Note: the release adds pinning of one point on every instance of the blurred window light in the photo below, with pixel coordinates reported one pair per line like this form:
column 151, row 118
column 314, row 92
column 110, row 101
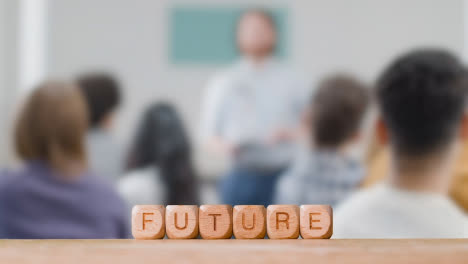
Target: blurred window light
column 32, row 42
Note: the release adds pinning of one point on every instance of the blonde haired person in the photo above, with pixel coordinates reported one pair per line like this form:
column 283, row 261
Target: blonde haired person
column 53, row 195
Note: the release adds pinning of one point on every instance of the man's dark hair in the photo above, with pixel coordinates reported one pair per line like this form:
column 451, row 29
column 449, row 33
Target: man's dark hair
column 421, row 96
column 102, row 94
column 338, row 107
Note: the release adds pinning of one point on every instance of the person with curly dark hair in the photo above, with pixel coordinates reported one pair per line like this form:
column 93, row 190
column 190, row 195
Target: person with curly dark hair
column 324, row 171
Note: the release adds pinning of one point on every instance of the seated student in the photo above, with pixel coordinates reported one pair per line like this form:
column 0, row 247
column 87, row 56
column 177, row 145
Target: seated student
column 160, row 169
column 102, row 95
column 324, row 173
column 422, row 98
column 53, row 195
column 379, row 163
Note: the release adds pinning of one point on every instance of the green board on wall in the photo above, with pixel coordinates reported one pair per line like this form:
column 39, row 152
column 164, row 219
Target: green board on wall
column 206, row 35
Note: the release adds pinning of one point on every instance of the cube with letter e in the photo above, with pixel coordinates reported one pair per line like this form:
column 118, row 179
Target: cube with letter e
column 316, row 221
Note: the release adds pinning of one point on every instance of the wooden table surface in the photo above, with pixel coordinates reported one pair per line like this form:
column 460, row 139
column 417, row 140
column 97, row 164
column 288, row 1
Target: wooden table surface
column 233, row 251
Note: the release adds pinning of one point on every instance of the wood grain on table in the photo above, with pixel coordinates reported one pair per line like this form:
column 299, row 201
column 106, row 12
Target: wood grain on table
column 234, row 251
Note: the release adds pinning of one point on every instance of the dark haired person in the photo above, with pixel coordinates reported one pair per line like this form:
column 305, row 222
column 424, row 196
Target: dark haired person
column 324, row 172
column 54, row 195
column 422, row 99
column 159, row 165
column 102, row 94
column 250, row 113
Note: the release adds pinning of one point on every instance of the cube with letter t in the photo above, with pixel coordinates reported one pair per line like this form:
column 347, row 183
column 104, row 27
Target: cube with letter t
column 215, row 221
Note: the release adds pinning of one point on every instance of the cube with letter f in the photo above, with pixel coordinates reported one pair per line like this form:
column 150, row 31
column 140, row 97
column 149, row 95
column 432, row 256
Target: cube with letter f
column 148, row 222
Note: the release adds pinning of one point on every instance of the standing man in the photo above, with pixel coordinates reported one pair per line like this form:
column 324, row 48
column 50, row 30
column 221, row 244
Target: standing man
column 251, row 113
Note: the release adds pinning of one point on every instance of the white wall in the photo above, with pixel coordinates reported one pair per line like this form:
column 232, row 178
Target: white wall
column 8, row 76
column 2, row 78
column 364, row 35
column 129, row 37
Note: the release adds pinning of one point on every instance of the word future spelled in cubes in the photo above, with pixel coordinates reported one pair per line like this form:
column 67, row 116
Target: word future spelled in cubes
column 222, row 221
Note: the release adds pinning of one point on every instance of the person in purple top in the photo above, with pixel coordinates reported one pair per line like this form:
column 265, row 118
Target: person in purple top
column 54, row 195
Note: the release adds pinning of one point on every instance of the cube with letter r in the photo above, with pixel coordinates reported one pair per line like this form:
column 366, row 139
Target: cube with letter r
column 283, row 221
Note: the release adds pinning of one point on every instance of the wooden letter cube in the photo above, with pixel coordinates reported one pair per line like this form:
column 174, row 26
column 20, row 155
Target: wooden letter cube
column 249, row 221
column 316, row 221
column 148, row 221
column 283, row 221
column 215, row 221
column 182, row 221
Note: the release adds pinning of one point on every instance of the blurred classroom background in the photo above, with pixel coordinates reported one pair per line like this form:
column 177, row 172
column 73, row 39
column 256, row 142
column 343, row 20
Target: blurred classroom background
column 168, row 51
